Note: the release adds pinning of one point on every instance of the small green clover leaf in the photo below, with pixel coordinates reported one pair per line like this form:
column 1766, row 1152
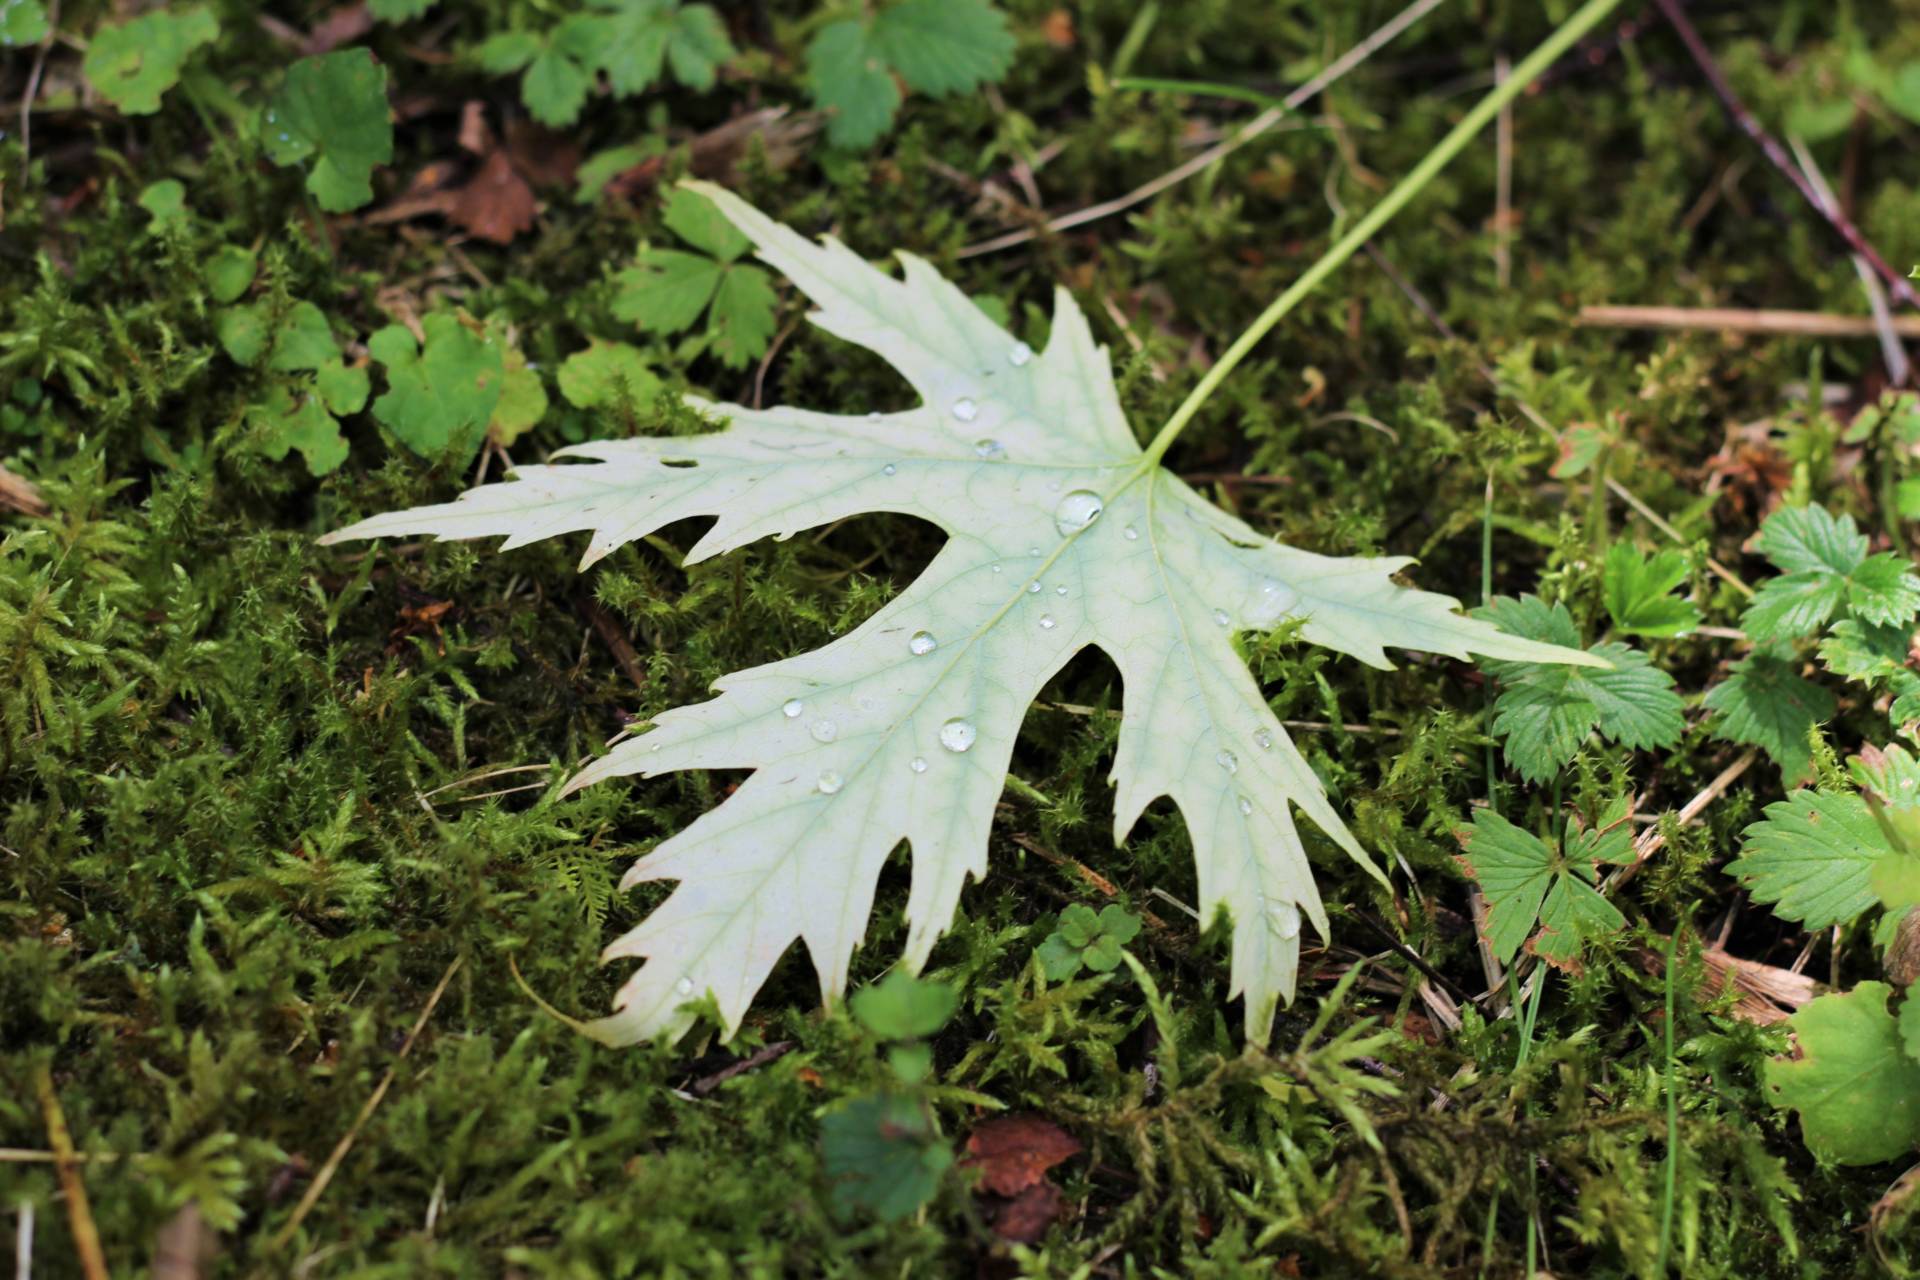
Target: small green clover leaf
column 631, row 41
column 1527, row 882
column 132, row 64
column 332, row 110
column 608, row 375
column 1085, row 940
column 667, row 290
column 905, row 1009
column 300, row 410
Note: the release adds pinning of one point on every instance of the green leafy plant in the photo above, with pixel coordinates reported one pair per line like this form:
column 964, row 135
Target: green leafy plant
column 22, row 23
column 855, row 66
column 332, row 111
column 295, row 412
column 1639, row 592
column 883, row 1152
column 132, row 64
column 667, row 290
column 1528, row 882
column 631, row 42
column 1825, row 572
column 1546, row 711
column 1084, row 940
column 1823, row 858
column 1063, row 533
column 454, row 387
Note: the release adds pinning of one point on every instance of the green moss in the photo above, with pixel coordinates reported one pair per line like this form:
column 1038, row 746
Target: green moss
column 255, row 799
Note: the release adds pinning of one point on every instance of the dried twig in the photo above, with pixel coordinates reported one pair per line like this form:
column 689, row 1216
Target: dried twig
column 615, row 638
column 86, row 1236
column 1206, row 159
column 17, row 493
column 1899, row 369
column 1809, row 324
column 1652, row 840
column 318, row 1186
column 1748, row 124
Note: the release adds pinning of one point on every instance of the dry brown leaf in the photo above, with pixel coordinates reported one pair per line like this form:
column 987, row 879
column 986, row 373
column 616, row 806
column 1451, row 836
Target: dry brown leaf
column 1014, row 1152
column 497, row 204
column 1025, row 1218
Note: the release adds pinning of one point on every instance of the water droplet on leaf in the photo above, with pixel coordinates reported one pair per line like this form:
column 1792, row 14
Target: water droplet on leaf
column 918, row 764
column 1246, row 806
column 965, row 409
column 1046, row 622
column 1263, row 740
column 1131, row 534
column 1276, row 600
column 922, row 642
column 1285, row 918
column 829, row 782
column 989, row 448
column 1077, row 510
column 824, row 730
column 957, row 734
column 792, row 708
column 1228, row 761
column 1019, row 354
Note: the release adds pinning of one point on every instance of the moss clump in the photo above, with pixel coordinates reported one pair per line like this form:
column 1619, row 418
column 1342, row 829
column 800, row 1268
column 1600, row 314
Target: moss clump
column 259, row 799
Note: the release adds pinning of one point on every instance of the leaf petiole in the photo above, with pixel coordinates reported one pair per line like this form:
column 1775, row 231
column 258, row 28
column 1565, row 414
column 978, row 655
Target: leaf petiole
column 1482, row 114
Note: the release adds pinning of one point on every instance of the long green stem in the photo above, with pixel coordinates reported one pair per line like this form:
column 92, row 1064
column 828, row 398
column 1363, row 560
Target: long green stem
column 1483, row 113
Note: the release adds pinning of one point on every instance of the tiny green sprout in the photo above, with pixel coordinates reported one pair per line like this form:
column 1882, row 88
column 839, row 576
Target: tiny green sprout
column 1089, row 941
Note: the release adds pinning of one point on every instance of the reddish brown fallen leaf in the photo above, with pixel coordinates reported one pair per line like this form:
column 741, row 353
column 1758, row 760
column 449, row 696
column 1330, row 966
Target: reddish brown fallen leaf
column 1025, row 1218
column 543, row 157
column 497, row 204
column 1014, row 1152
column 1057, row 27
column 475, row 136
column 343, row 25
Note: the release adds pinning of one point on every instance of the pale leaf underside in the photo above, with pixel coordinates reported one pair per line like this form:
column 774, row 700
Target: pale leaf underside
column 852, row 746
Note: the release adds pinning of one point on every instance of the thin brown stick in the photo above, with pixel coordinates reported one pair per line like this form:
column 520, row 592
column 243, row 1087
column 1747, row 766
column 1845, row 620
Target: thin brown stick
column 86, row 1236
column 1899, row 368
column 1253, row 129
column 1747, row 123
column 318, row 1186
column 1801, row 324
column 615, row 638
column 1652, row 840
column 17, row 493
column 1503, row 182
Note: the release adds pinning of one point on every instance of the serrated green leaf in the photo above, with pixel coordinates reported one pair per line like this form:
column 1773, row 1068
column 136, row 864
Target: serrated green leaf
column 942, row 47
column 1857, row 1091
column 1764, row 704
column 1862, row 651
column 665, row 290
column 638, row 36
column 1811, row 539
column 1526, row 884
column 303, row 340
column 1545, row 712
column 508, row 51
column 332, row 111
column 1061, row 534
column 439, row 398
column 742, row 318
column 1639, row 592
column 1883, row 592
column 1812, row 858
column 1825, row 569
column 850, row 81
column 555, row 88
column 882, row 1155
column 699, row 222
column 131, row 65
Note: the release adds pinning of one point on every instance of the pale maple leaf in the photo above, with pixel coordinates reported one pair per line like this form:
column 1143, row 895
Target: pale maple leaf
column 1061, row 533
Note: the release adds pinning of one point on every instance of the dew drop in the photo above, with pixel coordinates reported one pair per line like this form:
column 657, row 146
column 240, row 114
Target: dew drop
column 684, row 986
column 918, row 764
column 957, row 734
column 1228, row 761
column 1285, row 918
column 866, row 702
column 1246, row 807
column 1033, row 588
column 1077, row 510
column 889, row 469
column 824, row 730
column 1220, row 618
column 965, row 409
column 873, row 415
column 829, row 782
column 1263, row 740
column 1034, row 552
column 996, row 568
column 921, row 643
column 1276, row 601
column 1060, row 591
column 1131, row 534
column 792, row 708
column 988, row 448
column 1046, row 622
column 1018, row 354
